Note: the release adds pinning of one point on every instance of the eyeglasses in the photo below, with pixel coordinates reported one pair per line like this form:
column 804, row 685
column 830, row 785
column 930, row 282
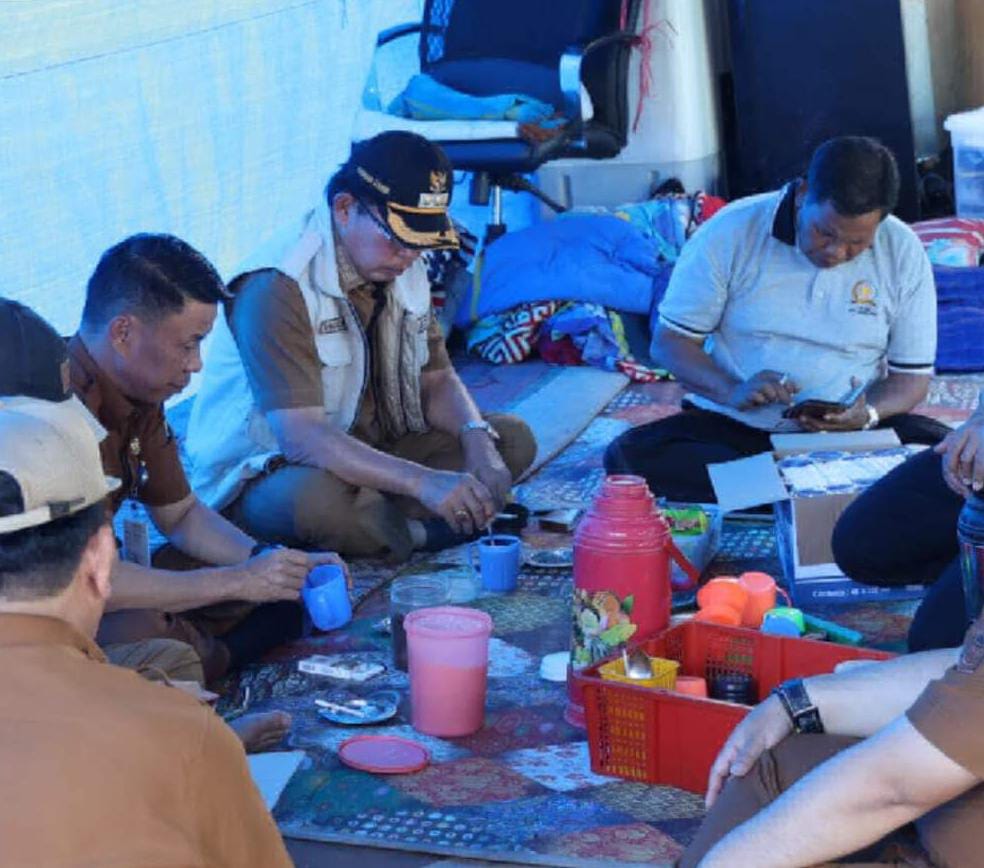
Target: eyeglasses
column 385, row 232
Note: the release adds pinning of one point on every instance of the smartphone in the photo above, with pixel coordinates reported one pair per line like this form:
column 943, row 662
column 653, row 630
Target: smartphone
column 560, row 520
column 818, row 408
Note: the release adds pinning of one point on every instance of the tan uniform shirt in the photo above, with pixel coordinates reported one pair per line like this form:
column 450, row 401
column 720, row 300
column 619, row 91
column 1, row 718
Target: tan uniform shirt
column 273, row 332
column 100, row 767
column 137, row 436
column 950, row 711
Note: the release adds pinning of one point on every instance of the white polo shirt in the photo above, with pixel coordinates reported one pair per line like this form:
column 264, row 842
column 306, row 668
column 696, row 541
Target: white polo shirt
column 742, row 283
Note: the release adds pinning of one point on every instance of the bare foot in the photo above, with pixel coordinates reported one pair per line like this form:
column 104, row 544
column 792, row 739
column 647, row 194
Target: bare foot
column 261, row 731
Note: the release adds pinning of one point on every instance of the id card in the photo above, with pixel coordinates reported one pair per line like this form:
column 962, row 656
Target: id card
column 136, row 537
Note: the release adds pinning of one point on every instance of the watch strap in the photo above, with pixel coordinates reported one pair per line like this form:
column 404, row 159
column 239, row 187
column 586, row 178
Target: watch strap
column 803, row 714
column 479, row 426
column 873, row 417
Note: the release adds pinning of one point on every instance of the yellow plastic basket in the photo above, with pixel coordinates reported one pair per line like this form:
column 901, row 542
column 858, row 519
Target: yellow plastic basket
column 664, row 673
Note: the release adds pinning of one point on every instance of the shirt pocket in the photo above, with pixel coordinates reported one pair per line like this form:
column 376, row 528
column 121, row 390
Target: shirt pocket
column 336, row 366
column 421, row 343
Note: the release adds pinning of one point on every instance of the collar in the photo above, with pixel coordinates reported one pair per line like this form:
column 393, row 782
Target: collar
column 348, row 277
column 96, row 389
column 784, row 222
column 20, row 629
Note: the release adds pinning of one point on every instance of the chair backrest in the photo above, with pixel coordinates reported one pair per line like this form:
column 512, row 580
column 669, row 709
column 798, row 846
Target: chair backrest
column 486, row 47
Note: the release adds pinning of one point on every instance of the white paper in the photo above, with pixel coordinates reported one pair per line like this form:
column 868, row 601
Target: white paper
column 271, row 772
column 747, row 482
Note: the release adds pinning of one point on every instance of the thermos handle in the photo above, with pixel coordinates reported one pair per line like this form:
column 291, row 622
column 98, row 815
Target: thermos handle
column 693, row 574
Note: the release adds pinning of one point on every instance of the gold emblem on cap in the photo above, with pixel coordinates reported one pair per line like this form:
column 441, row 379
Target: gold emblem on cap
column 438, row 181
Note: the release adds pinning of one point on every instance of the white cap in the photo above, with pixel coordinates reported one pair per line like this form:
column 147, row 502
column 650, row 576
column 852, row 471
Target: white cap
column 51, row 451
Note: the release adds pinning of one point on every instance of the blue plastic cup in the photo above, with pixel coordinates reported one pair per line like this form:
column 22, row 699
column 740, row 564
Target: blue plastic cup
column 498, row 557
column 326, row 597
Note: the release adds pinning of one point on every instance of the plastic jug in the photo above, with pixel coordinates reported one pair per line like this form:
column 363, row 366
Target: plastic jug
column 622, row 551
column 448, row 649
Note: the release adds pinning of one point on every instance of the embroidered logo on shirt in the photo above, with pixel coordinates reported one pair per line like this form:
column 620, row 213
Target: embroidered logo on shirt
column 864, row 299
column 331, row 326
column 972, row 653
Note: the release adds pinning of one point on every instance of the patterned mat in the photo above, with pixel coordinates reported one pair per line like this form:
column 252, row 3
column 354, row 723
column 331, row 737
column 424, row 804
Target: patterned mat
column 520, row 789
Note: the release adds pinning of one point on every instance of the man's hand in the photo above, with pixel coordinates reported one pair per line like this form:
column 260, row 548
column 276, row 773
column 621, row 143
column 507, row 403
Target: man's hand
column 316, row 559
column 277, row 574
column 854, row 418
column 764, row 728
column 963, row 456
column 765, row 387
column 464, row 502
column 483, row 461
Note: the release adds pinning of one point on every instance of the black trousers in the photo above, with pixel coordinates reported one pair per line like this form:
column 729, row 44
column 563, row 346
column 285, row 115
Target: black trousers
column 901, row 531
column 673, row 453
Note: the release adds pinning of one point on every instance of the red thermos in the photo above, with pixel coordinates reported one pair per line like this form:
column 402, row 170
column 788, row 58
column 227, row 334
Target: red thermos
column 622, row 551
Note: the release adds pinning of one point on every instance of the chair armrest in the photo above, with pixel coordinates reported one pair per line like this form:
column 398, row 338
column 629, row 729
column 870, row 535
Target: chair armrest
column 397, row 32
column 570, row 69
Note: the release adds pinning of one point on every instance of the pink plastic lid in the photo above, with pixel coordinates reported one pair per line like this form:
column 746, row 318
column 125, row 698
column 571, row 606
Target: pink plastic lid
column 445, row 621
column 383, row 754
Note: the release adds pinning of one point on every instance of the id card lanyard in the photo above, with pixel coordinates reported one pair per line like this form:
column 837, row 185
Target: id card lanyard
column 136, row 533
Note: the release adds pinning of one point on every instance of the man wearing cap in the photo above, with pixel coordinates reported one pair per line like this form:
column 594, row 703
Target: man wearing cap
column 330, row 414
column 100, row 767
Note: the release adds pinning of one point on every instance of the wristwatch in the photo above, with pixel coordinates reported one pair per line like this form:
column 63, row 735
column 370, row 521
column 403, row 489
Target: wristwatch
column 479, row 426
column 873, row 418
column 805, row 716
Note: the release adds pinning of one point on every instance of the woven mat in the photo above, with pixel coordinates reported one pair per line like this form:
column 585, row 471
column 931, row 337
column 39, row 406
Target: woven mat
column 520, row 789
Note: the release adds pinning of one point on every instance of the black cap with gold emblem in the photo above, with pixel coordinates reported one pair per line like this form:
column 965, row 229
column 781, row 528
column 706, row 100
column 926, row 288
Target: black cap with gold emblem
column 410, row 180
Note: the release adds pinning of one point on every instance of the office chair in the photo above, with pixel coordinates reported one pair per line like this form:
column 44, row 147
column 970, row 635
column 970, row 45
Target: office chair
column 555, row 51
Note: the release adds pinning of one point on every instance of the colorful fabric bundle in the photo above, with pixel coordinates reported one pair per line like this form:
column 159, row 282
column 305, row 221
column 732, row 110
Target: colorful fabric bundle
column 952, row 241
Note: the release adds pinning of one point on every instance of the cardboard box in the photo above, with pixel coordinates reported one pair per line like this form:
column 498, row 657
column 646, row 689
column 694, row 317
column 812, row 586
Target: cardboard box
column 699, row 548
column 811, row 479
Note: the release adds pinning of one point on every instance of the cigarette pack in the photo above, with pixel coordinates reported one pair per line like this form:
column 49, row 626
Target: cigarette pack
column 346, row 668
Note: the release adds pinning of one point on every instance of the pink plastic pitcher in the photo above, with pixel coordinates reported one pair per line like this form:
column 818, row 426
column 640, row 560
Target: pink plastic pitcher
column 448, row 650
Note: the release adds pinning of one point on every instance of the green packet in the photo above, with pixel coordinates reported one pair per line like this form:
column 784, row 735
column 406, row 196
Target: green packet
column 686, row 520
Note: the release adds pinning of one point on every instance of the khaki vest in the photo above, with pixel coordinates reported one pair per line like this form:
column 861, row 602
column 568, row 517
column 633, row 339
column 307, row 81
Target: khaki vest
column 229, row 440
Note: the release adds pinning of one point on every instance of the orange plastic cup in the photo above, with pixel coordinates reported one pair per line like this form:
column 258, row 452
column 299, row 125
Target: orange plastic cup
column 723, row 591
column 724, row 615
column 691, row 685
column 761, row 593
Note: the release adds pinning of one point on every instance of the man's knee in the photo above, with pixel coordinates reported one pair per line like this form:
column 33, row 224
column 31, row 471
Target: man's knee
column 517, row 445
column 158, row 660
column 319, row 502
column 616, row 457
column 851, row 546
column 359, row 522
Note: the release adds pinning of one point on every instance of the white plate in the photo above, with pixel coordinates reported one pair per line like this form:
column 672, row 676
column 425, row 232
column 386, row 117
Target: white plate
column 549, row 558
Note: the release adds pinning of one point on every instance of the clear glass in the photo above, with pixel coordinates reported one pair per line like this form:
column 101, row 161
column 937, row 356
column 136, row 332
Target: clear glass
column 406, row 594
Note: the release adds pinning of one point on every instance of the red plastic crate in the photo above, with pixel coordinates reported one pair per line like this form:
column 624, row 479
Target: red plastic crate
column 667, row 738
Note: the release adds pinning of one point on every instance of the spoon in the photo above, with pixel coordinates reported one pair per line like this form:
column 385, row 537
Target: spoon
column 637, row 664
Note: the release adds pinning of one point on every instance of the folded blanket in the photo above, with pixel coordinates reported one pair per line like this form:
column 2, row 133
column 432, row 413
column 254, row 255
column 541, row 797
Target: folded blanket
column 424, row 98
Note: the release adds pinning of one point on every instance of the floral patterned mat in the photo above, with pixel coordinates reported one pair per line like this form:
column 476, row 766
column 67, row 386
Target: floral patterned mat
column 521, row 788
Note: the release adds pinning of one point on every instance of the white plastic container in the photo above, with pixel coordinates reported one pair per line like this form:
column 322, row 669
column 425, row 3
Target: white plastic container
column 967, row 135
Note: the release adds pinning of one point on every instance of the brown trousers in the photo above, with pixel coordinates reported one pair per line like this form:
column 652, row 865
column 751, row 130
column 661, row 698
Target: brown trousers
column 158, row 659
column 181, row 647
column 313, row 509
column 947, row 836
